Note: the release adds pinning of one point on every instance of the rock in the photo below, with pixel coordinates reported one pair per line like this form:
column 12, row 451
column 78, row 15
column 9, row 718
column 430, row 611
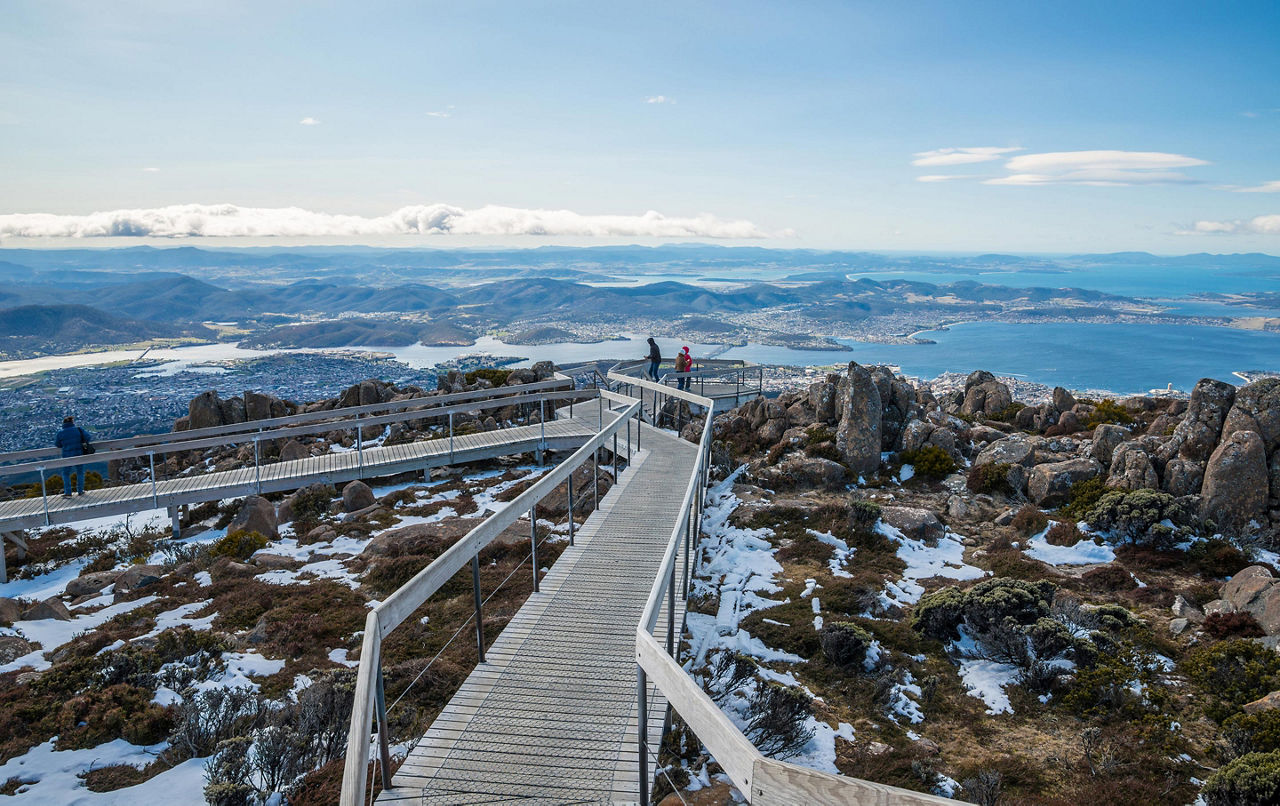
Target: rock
column 928, row 746
column 10, row 610
column 1178, row 626
column 48, row 609
column 257, row 406
column 1199, row 432
column 798, row 470
column 1219, row 606
column 256, row 515
column 1131, row 468
column 274, row 561
column 916, row 435
column 1267, row 702
column 205, row 411
column 12, row 647
column 138, row 576
column 878, row 749
column 1004, row 518
column 1182, row 477
column 91, row 583
column 1255, row 591
column 989, row 397
column 983, row 433
column 1069, row 422
column 1050, row 484
column 1236, row 482
column 293, row 450
column 859, row 407
column 356, row 495
column 915, row 523
column 1257, row 408
column 543, row 370
column 1185, row 610
column 1106, row 438
column 1016, row 449
column 233, row 410
column 1062, row 399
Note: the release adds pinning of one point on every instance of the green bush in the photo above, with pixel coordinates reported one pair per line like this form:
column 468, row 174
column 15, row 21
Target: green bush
column 1252, row 780
column 498, row 377
column 1136, row 515
column 1009, row 413
column 845, row 644
column 817, row 435
column 1083, row 495
column 238, row 545
column 864, row 514
column 1105, row 686
column 930, row 462
column 1029, row 520
column 1217, row 557
column 1253, row 733
column 1108, row 411
column 985, row 609
column 990, row 478
column 1233, row 673
column 938, row 614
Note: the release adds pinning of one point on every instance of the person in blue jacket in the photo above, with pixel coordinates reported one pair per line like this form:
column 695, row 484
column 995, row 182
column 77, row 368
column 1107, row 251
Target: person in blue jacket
column 71, row 439
column 655, row 358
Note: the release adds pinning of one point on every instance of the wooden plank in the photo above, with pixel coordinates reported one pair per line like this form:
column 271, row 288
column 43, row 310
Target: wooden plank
column 783, row 783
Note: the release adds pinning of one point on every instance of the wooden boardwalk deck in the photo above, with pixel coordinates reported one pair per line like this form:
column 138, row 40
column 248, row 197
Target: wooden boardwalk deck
column 560, row 434
column 550, row 717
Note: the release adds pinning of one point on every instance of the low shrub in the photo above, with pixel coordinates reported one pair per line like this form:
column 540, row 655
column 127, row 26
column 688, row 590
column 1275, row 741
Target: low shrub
column 780, row 717
column 1251, row 780
column 1137, row 516
column 1253, row 733
column 845, row 644
column 825, row 450
column 1009, row 413
column 120, row 711
column 1233, row 673
column 1029, row 520
column 1083, row 495
column 864, row 514
column 930, row 462
column 1108, row 411
column 1063, row 534
column 990, row 478
column 1108, row 578
column 497, row 377
column 1233, row 625
column 1217, row 557
column 238, row 545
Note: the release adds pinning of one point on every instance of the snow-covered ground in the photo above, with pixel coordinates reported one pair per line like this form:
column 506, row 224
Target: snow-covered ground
column 946, row 560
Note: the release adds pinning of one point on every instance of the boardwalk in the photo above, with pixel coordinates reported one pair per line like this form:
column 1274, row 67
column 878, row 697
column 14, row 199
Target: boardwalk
column 550, row 717
column 333, row 467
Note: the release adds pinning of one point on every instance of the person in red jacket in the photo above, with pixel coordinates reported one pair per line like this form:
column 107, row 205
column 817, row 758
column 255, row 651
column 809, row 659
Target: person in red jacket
column 684, row 363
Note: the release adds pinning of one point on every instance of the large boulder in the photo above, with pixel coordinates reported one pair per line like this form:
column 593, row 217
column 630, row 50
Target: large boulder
column 543, row 370
column 1236, row 483
column 205, row 411
column 990, row 397
column 138, row 576
column 1257, row 408
column 1062, row 399
column 1015, row 449
column 1255, row 591
column 1050, row 484
column 12, row 647
column 822, row 399
column 357, row 495
column 233, row 411
column 860, row 408
column 1182, row 477
column 293, row 450
column 1201, row 428
column 48, row 609
column 256, row 514
column 1106, row 438
column 90, row 583
column 10, row 610
column 1131, row 468
column 798, row 471
column 915, row 523
column 258, row 406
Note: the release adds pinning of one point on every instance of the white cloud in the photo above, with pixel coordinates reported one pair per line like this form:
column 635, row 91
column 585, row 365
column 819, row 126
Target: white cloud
column 447, row 113
column 960, row 156
column 659, row 99
column 150, row 170
column 942, row 177
column 1259, row 225
column 1097, row 168
column 308, row 121
column 1265, row 187
column 229, row 221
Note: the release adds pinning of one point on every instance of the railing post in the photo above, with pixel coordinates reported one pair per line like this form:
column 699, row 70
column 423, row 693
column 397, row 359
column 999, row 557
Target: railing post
column 542, row 425
column 628, row 442
column 44, row 499
column 642, row 730
column 639, row 422
column 615, row 457
column 151, row 458
column 475, row 592
column 671, row 611
column 359, row 445
column 384, row 742
column 595, row 479
column 257, row 472
column 533, row 543
column 688, row 547
column 569, row 491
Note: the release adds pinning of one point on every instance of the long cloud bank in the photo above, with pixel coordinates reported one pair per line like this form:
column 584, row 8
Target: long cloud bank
column 1258, row 225
column 232, row 221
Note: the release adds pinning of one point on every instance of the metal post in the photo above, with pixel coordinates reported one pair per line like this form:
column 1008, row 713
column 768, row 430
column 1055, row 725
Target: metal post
column 533, row 542
column 671, row 611
column 628, row 442
column 688, row 547
column 601, row 409
column 257, row 474
column 542, row 427
column 384, row 742
column 569, row 490
column 615, row 457
column 359, row 445
column 642, row 729
column 155, row 500
column 595, row 479
column 475, row 591
column 175, row 519
column 639, row 422
column 44, row 496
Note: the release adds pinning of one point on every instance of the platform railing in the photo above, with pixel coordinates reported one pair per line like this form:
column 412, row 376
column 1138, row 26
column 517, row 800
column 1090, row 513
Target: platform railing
column 738, row 379
column 760, row 779
column 369, row 708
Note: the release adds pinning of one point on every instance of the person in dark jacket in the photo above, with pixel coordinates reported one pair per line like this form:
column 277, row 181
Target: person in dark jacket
column 655, row 358
column 71, row 439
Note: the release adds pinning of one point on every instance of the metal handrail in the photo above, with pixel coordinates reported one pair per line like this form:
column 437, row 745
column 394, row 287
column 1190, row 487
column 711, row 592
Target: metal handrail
column 760, row 779
column 558, row 381
column 370, row 702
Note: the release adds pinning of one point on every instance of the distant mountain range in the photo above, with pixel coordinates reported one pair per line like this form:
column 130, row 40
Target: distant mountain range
column 32, row 330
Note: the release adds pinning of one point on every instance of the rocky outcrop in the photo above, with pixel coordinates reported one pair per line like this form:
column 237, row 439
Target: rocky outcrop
column 984, row 395
column 798, row 471
column 357, row 495
column 860, row 410
column 256, row 514
column 91, row 583
column 1131, row 468
column 1256, row 592
column 1257, row 409
column 1050, row 484
column 1106, row 438
column 1182, row 477
column 1062, row 399
column 1200, row 429
column 822, row 399
column 1235, row 490
column 137, row 576
column 1015, row 449
column 48, row 609
column 915, row 523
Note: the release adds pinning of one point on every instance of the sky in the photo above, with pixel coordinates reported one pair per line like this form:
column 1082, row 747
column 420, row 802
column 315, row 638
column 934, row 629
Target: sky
column 930, row 126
